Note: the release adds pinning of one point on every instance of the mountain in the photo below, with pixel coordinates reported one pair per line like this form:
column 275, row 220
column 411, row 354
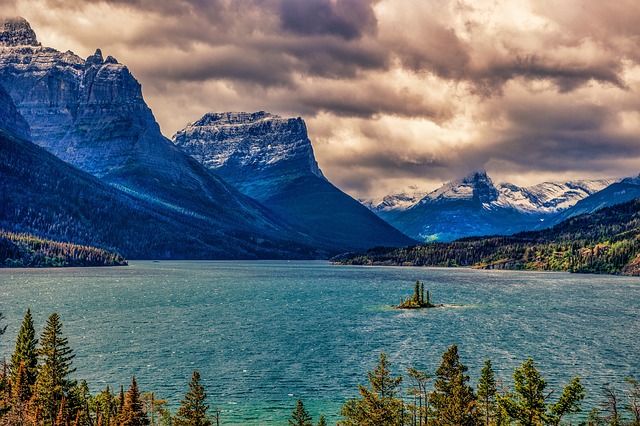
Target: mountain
column 270, row 159
column 618, row 192
column 396, row 201
column 44, row 196
column 474, row 205
column 91, row 114
column 606, row 241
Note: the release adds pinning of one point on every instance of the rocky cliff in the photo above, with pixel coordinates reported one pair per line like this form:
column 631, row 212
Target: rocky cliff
column 11, row 121
column 91, row 114
column 271, row 159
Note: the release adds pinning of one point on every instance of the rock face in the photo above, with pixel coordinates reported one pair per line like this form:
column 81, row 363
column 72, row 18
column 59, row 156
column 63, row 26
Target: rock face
column 10, row 119
column 271, row 159
column 256, row 152
column 91, row 113
column 474, row 206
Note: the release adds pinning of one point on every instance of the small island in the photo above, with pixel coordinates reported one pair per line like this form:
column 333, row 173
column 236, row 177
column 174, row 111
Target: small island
column 417, row 301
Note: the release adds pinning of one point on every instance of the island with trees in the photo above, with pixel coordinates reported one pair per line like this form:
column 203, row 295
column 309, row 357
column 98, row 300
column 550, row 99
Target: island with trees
column 418, row 300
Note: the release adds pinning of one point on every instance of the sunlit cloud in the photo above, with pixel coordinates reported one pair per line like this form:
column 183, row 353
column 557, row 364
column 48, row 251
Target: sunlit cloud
column 394, row 92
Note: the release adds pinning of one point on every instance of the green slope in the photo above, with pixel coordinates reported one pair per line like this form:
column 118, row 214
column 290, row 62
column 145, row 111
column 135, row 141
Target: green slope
column 607, row 241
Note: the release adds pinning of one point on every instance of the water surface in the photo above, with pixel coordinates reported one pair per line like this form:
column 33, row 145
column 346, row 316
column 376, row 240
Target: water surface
column 265, row 333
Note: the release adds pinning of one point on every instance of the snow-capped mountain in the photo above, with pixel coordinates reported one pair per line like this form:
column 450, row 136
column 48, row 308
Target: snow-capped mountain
column 91, row 113
column 271, row 159
column 251, row 150
column 397, row 200
column 474, row 205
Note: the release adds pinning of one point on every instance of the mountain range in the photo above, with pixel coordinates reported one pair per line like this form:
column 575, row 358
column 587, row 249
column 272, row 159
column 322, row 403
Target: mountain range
column 90, row 113
column 474, row 206
column 270, row 159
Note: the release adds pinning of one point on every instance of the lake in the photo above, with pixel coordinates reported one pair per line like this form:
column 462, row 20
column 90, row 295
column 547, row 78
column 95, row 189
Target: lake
column 262, row 334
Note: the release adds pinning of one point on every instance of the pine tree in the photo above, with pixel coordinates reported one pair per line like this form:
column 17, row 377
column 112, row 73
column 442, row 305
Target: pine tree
column 20, row 388
column 26, row 352
column 379, row 405
column 487, row 390
column 132, row 413
column 106, row 406
column 55, row 367
column 527, row 404
column 569, row 402
column 322, row 421
column 62, row 418
column 193, row 410
column 453, row 400
column 300, row 416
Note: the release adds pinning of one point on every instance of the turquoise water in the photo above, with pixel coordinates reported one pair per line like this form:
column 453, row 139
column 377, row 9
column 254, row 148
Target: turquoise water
column 265, row 333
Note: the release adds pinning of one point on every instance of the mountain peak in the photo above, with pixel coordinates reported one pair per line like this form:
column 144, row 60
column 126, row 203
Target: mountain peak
column 231, row 117
column 17, row 32
column 230, row 143
column 476, row 186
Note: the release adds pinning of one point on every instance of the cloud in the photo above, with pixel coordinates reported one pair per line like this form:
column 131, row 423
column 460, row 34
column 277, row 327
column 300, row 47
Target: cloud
column 392, row 90
column 347, row 19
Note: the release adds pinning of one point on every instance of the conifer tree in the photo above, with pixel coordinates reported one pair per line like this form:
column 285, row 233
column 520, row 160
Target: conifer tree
column 20, row 388
column 5, row 389
column 106, row 406
column 487, row 390
column 322, row 421
column 55, row 367
column 132, row 413
column 379, row 405
column 300, row 416
column 453, row 400
column 26, row 352
column 193, row 410
column 62, row 418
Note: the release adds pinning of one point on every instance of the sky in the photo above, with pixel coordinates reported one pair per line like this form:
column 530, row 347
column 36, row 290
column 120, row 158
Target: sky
column 394, row 92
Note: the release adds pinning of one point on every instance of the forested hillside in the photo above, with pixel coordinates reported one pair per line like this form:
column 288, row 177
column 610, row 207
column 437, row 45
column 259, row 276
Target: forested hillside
column 26, row 250
column 606, row 242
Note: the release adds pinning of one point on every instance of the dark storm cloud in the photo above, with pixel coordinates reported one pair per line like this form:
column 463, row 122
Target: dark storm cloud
column 445, row 86
column 348, row 19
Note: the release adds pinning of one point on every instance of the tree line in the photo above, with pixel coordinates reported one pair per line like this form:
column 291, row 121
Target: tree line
column 26, row 250
column 37, row 389
column 604, row 242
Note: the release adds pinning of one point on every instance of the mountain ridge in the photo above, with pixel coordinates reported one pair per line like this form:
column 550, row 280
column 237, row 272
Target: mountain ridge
column 271, row 159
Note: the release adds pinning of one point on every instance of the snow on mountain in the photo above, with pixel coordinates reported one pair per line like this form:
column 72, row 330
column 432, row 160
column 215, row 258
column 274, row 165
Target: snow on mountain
column 546, row 197
column 398, row 200
column 260, row 141
column 271, row 159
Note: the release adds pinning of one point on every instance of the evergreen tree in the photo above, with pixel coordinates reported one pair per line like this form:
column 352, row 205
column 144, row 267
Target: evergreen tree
column 5, row 388
column 453, row 400
column 322, row 421
column 569, row 402
column 20, row 388
column 420, row 407
column 62, row 419
column 300, row 416
column 527, row 405
column 487, row 390
column 193, row 410
column 55, row 367
column 379, row 405
column 105, row 406
column 132, row 413
column 26, row 352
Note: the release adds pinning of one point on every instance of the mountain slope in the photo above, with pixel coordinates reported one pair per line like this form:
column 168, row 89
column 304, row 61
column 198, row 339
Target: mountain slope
column 91, row 114
column 616, row 193
column 42, row 195
column 474, row 206
column 271, row 159
column 607, row 241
